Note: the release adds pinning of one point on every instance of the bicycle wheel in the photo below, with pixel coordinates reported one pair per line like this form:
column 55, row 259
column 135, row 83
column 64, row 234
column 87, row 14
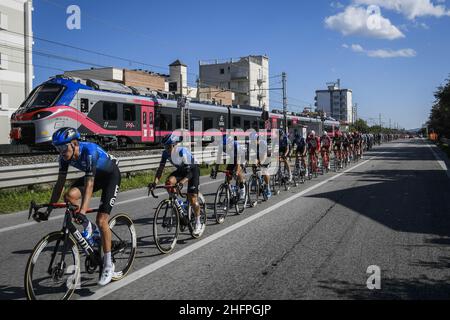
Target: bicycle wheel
column 165, row 226
column 254, row 189
column 222, row 203
column 53, row 268
column 203, row 215
column 241, row 204
column 124, row 244
column 275, row 184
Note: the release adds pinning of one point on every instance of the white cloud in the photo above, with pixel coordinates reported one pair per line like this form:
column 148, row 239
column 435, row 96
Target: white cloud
column 355, row 21
column 382, row 53
column 410, row 8
column 337, row 5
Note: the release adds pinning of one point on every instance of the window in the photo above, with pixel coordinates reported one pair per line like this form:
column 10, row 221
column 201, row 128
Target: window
column 208, row 123
column 144, row 118
column 165, row 122
column 246, row 125
column 150, row 118
column 84, row 105
column 222, row 71
column 44, row 96
column 129, row 112
column 3, row 21
column 236, row 122
column 110, row 111
column 3, row 61
column 178, row 121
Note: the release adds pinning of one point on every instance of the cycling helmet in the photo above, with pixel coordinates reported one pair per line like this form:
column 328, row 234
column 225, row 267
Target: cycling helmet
column 325, row 133
column 65, row 136
column 170, row 140
column 313, row 133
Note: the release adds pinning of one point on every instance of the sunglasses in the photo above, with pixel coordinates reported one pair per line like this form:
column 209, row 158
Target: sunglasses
column 62, row 148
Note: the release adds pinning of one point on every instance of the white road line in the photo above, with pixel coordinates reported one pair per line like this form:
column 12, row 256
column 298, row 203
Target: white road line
column 28, row 224
column 440, row 161
column 112, row 287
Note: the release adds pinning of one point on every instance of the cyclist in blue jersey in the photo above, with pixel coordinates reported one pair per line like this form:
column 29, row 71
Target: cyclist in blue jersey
column 230, row 145
column 285, row 149
column 101, row 173
column 187, row 170
column 262, row 151
column 300, row 148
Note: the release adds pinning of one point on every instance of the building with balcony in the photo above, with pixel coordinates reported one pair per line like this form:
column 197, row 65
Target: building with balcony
column 336, row 102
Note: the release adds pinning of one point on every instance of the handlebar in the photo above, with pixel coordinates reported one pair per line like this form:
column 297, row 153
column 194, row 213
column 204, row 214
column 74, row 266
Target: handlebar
column 170, row 189
column 39, row 216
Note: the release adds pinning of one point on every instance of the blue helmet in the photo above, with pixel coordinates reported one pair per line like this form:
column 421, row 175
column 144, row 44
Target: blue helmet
column 65, row 136
column 170, row 140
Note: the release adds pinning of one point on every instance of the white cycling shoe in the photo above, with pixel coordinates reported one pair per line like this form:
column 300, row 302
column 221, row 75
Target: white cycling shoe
column 199, row 229
column 107, row 275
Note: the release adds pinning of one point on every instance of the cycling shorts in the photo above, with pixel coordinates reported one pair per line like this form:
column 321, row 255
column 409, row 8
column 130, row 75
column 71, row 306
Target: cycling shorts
column 108, row 183
column 192, row 173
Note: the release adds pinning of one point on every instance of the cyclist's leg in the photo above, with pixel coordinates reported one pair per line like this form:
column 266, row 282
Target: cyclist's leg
column 194, row 180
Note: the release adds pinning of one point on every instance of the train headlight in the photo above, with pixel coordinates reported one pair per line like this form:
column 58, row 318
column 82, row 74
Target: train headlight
column 41, row 115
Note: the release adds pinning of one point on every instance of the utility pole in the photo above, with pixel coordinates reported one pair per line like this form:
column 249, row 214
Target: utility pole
column 380, row 122
column 181, row 102
column 284, row 101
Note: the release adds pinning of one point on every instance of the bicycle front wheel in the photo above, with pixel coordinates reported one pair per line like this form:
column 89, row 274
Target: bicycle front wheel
column 222, row 203
column 124, row 244
column 165, row 227
column 53, row 268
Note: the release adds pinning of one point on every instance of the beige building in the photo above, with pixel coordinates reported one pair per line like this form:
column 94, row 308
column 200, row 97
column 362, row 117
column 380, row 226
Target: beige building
column 247, row 77
column 216, row 95
column 16, row 61
column 133, row 78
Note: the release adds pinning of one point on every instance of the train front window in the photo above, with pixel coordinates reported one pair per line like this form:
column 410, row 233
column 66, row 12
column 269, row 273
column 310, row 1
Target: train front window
column 44, row 96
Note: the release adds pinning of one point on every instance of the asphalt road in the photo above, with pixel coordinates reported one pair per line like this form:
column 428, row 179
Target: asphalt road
column 391, row 210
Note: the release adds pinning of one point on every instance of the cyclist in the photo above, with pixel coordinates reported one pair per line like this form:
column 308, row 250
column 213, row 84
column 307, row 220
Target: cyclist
column 325, row 142
column 262, row 155
column 337, row 146
column 285, row 149
column 187, row 170
column 313, row 144
column 235, row 166
column 101, row 173
column 300, row 152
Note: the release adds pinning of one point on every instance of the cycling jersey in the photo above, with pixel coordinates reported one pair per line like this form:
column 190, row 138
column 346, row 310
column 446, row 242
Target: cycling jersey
column 92, row 160
column 96, row 162
column 300, row 142
column 183, row 159
column 325, row 141
column 284, row 143
column 313, row 144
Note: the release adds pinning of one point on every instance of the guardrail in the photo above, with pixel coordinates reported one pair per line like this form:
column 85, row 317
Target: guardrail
column 26, row 175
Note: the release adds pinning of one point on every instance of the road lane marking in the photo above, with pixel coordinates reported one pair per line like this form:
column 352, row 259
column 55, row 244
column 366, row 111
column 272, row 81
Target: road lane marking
column 114, row 286
column 439, row 160
column 27, row 224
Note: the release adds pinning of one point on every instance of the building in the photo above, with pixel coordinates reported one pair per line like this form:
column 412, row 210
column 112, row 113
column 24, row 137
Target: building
column 336, row 102
column 216, row 95
column 16, row 60
column 132, row 78
column 247, row 77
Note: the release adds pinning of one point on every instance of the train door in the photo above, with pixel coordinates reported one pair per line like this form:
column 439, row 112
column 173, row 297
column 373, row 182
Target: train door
column 148, row 123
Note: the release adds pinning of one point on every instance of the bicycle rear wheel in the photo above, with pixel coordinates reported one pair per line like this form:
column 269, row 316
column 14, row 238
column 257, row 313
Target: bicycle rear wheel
column 124, row 244
column 241, row 204
column 53, row 268
column 254, row 189
column 222, row 203
column 165, row 226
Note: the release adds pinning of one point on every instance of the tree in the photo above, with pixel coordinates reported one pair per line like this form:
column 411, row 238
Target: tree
column 360, row 125
column 440, row 112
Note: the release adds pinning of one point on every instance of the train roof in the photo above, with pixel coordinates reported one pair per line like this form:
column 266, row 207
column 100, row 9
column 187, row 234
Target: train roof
column 75, row 84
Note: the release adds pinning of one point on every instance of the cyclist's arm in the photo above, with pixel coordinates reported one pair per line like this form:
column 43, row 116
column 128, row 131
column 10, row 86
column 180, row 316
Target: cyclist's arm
column 59, row 187
column 88, row 191
column 161, row 167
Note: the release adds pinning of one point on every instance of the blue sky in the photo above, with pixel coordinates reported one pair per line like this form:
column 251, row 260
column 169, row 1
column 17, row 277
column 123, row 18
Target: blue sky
column 393, row 69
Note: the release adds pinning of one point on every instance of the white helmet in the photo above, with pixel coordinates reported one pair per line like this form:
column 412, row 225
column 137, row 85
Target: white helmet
column 325, row 133
column 313, row 132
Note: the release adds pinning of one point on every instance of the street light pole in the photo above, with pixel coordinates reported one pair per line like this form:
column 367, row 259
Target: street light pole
column 284, row 101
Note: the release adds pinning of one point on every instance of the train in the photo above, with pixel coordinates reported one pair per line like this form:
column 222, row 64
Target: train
column 118, row 116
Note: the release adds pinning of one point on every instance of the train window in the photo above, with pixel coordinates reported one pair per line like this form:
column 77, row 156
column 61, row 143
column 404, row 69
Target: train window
column 129, row 112
column 165, row 122
column 144, row 117
column 110, row 111
column 84, row 105
column 151, row 118
column 236, row 122
column 45, row 96
column 246, row 125
column 178, row 121
column 255, row 125
column 208, row 123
